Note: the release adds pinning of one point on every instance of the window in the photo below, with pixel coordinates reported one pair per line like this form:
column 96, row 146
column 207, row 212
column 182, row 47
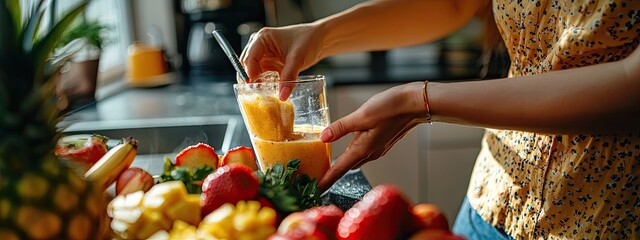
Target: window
column 116, row 15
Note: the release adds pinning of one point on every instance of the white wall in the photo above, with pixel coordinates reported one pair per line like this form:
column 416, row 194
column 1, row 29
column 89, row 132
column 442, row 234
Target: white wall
column 288, row 13
column 148, row 14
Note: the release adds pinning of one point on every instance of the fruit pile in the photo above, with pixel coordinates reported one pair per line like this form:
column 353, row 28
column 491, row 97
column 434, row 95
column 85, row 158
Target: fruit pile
column 207, row 196
column 204, row 195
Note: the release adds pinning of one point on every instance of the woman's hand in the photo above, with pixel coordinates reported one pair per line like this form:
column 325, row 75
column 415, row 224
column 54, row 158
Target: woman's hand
column 286, row 50
column 378, row 124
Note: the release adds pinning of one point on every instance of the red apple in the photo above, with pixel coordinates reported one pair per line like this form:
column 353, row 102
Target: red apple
column 132, row 180
column 318, row 223
column 431, row 215
column 382, row 213
column 84, row 149
column 296, row 226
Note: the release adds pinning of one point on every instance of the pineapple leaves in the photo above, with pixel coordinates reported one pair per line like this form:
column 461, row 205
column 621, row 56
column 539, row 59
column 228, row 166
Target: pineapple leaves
column 7, row 45
column 10, row 28
column 14, row 8
column 42, row 49
column 28, row 33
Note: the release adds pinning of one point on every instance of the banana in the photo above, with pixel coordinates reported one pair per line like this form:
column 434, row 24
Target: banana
column 117, row 159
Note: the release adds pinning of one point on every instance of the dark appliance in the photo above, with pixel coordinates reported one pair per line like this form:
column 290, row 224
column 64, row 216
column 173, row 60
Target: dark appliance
column 201, row 56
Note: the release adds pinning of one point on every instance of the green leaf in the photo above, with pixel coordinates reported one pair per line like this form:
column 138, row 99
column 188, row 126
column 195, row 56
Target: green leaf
column 27, row 36
column 91, row 30
column 277, row 169
column 201, row 172
column 308, row 187
column 42, row 48
column 9, row 29
column 14, row 8
column 168, row 165
column 289, row 192
column 166, row 173
column 191, row 178
column 260, row 175
column 181, row 173
column 293, row 164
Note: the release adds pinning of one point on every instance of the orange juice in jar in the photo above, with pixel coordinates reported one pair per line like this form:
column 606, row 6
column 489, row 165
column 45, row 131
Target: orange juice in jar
column 281, row 131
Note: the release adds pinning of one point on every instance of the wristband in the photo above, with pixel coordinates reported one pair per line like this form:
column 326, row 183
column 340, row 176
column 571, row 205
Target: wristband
column 426, row 101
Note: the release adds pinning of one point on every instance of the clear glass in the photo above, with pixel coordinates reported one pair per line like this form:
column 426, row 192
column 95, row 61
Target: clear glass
column 282, row 131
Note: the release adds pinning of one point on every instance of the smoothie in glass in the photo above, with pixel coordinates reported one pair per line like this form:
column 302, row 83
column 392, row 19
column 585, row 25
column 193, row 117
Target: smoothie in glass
column 314, row 155
column 281, row 131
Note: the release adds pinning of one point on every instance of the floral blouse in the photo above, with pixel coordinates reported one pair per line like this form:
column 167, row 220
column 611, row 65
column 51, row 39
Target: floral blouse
column 538, row 186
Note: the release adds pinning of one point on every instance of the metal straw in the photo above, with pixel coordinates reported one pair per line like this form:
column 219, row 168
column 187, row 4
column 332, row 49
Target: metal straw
column 231, row 55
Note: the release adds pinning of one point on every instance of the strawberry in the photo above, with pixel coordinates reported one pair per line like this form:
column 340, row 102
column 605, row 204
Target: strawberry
column 383, row 213
column 197, row 155
column 241, row 154
column 228, row 184
column 82, row 148
column 315, row 223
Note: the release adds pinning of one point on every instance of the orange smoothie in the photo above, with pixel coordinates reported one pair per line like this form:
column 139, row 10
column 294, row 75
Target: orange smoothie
column 275, row 138
column 314, row 155
column 267, row 117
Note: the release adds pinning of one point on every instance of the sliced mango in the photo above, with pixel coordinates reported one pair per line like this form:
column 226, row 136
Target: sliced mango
column 182, row 230
column 187, row 210
column 163, row 195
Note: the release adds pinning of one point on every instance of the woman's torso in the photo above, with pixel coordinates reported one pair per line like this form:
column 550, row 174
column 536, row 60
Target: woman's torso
column 561, row 186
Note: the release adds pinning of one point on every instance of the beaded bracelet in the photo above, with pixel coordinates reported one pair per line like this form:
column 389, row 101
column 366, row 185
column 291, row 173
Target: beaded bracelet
column 426, row 101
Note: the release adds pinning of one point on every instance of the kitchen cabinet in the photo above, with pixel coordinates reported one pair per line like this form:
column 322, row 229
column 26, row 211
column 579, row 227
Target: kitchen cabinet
column 432, row 163
column 447, row 158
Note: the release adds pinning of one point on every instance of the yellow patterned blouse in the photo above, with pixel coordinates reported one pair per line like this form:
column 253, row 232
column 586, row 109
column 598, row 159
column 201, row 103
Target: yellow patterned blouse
column 537, row 186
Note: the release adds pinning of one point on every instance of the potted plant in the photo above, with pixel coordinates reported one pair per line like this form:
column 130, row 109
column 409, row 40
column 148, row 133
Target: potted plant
column 78, row 78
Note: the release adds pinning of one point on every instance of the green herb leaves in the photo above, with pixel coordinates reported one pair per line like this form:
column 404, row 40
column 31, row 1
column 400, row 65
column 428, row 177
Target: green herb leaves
column 192, row 178
column 289, row 192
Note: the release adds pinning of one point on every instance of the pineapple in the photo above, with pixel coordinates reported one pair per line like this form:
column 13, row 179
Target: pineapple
column 40, row 197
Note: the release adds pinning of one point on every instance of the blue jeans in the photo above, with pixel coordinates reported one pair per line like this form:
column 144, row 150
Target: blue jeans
column 470, row 225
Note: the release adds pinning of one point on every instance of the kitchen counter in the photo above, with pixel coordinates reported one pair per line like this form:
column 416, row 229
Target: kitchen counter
column 176, row 100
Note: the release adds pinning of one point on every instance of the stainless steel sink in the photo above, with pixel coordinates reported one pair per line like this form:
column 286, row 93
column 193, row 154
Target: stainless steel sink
column 168, row 135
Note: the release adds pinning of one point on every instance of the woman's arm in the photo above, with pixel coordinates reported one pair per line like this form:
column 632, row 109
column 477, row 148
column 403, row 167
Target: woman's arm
column 373, row 25
column 600, row 98
column 603, row 98
column 385, row 24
